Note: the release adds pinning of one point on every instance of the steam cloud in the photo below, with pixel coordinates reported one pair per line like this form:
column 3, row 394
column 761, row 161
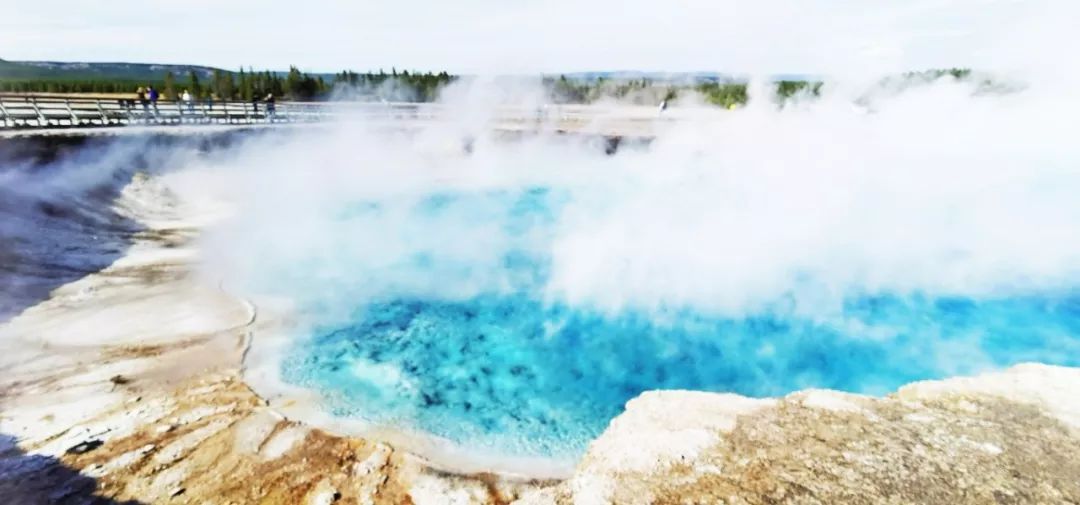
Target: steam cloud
column 769, row 226
column 814, row 238
column 937, row 192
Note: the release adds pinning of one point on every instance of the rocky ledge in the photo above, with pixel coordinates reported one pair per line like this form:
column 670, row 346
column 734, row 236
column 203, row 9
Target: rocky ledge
column 1005, row 437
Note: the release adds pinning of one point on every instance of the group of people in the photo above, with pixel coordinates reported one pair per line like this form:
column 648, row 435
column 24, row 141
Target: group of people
column 148, row 98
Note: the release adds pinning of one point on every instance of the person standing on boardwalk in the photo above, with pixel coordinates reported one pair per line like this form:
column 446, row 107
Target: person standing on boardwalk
column 270, row 108
column 186, row 97
column 140, row 94
column 153, row 98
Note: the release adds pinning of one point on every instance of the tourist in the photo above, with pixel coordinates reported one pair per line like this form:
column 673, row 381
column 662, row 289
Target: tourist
column 153, row 97
column 270, row 108
column 141, row 96
column 186, row 97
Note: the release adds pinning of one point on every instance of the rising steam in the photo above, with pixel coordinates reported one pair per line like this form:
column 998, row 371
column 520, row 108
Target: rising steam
column 514, row 293
column 937, row 191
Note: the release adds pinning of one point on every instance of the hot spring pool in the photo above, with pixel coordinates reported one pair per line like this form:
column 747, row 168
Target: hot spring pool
column 516, row 376
column 505, row 368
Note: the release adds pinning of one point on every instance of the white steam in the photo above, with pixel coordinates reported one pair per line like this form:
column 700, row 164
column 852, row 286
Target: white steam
column 939, row 191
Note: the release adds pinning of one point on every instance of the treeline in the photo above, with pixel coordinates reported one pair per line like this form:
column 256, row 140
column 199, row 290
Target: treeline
column 417, row 87
column 639, row 91
column 724, row 94
column 249, row 84
column 648, row 92
column 73, row 85
column 937, row 73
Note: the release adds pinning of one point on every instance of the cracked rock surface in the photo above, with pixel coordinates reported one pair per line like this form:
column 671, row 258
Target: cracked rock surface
column 1006, row 437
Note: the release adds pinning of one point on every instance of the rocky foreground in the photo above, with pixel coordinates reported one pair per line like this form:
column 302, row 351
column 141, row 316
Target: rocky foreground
column 126, row 386
column 1010, row 437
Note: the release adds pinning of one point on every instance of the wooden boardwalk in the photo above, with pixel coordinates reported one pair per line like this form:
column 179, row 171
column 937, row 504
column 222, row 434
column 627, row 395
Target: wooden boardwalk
column 21, row 112
column 29, row 113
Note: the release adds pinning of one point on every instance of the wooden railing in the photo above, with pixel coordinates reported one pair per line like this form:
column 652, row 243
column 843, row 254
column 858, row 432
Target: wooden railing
column 18, row 111
column 36, row 112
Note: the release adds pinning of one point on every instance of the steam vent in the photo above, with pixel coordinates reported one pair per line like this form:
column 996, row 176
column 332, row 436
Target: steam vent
column 859, row 285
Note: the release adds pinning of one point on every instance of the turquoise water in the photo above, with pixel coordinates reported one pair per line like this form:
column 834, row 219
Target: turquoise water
column 507, row 370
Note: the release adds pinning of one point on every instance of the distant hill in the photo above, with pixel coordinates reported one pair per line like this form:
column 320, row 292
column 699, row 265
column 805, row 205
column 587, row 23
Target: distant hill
column 56, row 70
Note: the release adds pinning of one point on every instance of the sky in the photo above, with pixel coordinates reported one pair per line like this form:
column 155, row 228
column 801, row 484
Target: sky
column 527, row 36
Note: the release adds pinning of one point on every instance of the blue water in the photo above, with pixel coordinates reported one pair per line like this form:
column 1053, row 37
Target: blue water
column 507, row 371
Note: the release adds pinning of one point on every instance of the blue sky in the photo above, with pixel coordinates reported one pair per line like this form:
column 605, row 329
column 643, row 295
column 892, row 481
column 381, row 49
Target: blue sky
column 807, row 36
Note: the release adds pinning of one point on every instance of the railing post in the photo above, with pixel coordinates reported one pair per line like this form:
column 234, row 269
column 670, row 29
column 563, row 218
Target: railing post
column 101, row 110
column 74, row 116
column 41, row 117
column 3, row 111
